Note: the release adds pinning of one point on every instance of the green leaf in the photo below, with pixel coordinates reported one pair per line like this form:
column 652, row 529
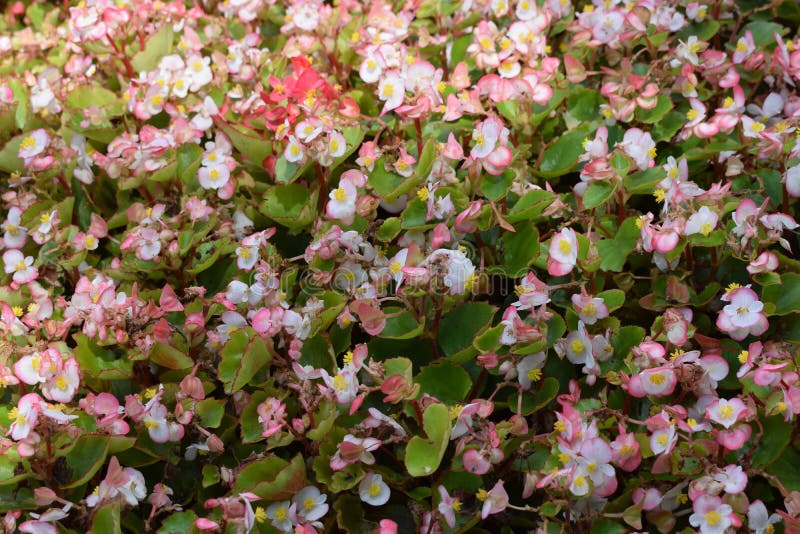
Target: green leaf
column 401, row 324
column 495, row 187
column 86, row 96
column 613, row 298
column 423, row 456
column 22, row 113
column 530, row 206
column 169, row 357
column 458, row 328
column 349, row 513
column 562, row 156
column 597, row 194
column 584, row 104
column 668, row 126
column 777, row 434
column 241, row 359
column 389, row 229
column 157, row 46
column 654, row 115
column 248, row 142
column 211, row 475
column 785, row 296
column 272, row 478
column 784, row 468
column 614, row 252
column 106, row 520
column 643, row 182
column 606, row 526
column 9, row 156
column 447, row 382
column 763, row 31
column 178, row 523
column 210, row 412
column 190, row 156
column 86, row 458
column 519, row 249
column 541, row 394
column 290, row 205
column 100, row 362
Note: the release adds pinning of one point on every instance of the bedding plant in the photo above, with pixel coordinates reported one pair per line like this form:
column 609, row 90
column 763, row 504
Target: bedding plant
column 423, row 266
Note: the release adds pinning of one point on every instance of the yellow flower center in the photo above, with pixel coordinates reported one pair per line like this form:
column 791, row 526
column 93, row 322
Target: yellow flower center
column 395, row 267
column 150, row 423
column 375, row 490
column 388, row 90
column 580, row 481
column 339, row 194
column 692, row 114
column 348, row 357
column 726, row 411
column 260, row 515
column 17, row 310
column 422, row 193
column 565, row 246
column 713, row 518
column 339, row 382
column 28, row 143
column 309, row 503
column 657, row 379
column 741, row 46
column 559, row 426
column 61, row 383
column 662, row 439
column 577, row 346
column 706, row 228
column 456, row 505
column 280, row 513
column 534, row 375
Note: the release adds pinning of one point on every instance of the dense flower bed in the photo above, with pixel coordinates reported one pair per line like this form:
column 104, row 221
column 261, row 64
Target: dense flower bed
column 433, row 266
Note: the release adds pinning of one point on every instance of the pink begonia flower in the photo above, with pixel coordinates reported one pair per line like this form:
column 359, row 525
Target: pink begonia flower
column 25, row 416
column 792, row 181
column 663, row 440
column 531, row 292
column 353, row 449
column 448, row 506
column 710, row 515
column 732, row 478
column 496, row 500
column 127, row 482
column 743, row 315
column 745, row 46
column 640, row 147
column 593, row 462
column 676, row 324
column 21, row 266
column 562, row 253
column 734, row 438
column 764, row 263
column 373, row 490
column 759, row 520
column 658, row 381
column 590, row 309
column 702, row 222
column 342, row 203
column 272, row 416
column 650, row 498
column 626, row 451
column 726, row 412
column 391, row 90
column 14, row 234
column 387, row 526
